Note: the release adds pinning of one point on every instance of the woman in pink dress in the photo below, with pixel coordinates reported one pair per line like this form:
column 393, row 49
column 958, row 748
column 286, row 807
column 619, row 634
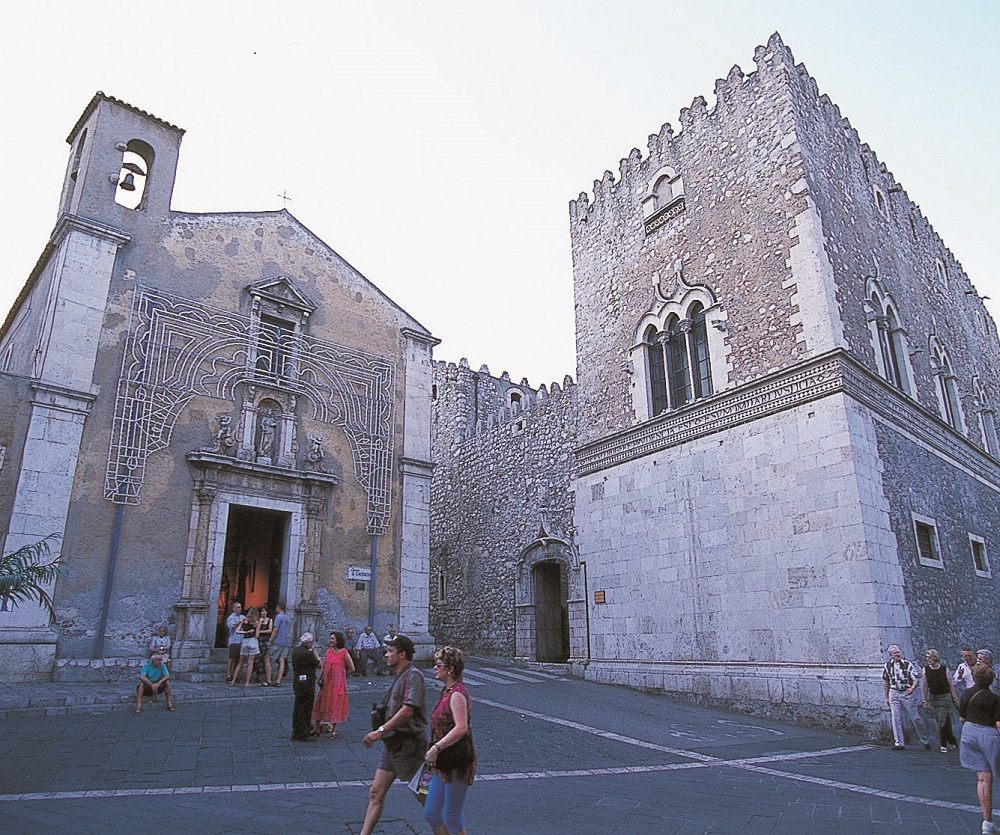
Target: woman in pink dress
column 330, row 706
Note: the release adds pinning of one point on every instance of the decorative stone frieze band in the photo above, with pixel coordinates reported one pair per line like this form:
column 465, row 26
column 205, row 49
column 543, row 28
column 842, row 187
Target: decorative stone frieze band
column 664, row 215
column 833, row 372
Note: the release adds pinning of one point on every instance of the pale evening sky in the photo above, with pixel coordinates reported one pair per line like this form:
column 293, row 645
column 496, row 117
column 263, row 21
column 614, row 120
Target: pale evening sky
column 436, row 146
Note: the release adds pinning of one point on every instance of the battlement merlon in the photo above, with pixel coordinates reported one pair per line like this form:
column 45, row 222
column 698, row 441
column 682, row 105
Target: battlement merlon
column 775, row 66
column 450, row 371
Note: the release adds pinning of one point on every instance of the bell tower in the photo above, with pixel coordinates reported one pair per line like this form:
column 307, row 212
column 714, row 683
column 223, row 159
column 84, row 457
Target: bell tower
column 119, row 178
column 122, row 164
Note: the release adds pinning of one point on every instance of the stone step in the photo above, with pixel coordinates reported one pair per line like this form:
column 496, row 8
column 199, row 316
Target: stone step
column 202, row 677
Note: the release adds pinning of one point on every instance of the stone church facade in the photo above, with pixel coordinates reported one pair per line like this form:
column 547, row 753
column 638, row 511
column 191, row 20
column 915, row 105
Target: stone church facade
column 203, row 408
column 784, row 441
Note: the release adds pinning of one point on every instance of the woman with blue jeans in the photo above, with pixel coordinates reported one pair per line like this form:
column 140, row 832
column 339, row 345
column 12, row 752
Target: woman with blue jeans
column 449, row 724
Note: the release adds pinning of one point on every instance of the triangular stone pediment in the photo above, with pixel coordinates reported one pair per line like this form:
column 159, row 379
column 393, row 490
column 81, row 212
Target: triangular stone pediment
column 283, row 291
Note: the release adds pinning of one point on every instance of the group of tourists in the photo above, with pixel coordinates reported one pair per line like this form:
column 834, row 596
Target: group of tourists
column 259, row 642
column 440, row 773
column 974, row 688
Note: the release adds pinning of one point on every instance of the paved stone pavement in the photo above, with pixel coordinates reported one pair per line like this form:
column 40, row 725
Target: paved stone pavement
column 557, row 755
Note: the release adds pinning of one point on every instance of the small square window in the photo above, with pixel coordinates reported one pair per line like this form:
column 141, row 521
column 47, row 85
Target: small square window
column 928, row 547
column 980, row 561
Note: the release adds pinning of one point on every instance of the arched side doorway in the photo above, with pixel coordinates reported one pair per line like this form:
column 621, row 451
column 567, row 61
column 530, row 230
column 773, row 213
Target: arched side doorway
column 550, row 604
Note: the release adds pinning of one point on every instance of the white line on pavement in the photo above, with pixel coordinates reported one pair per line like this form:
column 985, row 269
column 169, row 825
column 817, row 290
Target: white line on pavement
column 752, row 764
column 746, row 765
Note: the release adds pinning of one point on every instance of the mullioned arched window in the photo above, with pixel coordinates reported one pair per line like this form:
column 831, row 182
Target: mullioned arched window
column 987, row 419
column 678, row 360
column 888, row 338
column 946, row 385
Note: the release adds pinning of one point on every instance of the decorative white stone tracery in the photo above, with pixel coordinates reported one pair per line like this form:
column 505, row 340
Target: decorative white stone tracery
column 178, row 349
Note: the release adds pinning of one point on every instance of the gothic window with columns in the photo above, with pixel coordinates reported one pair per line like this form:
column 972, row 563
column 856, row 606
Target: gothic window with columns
column 946, row 385
column 679, row 365
column 987, row 419
column 888, row 338
column 679, row 352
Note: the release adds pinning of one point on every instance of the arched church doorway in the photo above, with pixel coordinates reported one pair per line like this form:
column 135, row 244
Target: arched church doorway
column 550, row 613
column 253, row 562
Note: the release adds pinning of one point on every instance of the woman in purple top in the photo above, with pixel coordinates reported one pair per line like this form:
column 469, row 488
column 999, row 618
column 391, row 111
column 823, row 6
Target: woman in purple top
column 449, row 724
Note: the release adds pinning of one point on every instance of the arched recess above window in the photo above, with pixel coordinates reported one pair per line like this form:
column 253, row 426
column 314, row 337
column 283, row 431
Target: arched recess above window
column 880, row 202
column 941, row 272
column 663, row 200
column 945, row 385
column 679, row 353
column 133, row 178
column 888, row 338
column 987, row 418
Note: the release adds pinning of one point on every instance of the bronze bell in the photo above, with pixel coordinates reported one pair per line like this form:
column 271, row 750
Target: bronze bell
column 128, row 183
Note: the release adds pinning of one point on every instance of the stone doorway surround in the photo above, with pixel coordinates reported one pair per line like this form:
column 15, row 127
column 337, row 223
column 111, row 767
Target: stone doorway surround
column 220, row 482
column 548, row 549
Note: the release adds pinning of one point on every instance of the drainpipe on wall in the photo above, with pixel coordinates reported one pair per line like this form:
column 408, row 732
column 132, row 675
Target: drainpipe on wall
column 116, row 536
column 373, row 564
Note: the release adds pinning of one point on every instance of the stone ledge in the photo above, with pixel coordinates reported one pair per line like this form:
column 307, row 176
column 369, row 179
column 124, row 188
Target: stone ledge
column 838, row 696
column 835, row 372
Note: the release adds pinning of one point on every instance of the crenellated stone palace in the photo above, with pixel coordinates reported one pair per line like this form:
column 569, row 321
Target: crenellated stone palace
column 780, row 454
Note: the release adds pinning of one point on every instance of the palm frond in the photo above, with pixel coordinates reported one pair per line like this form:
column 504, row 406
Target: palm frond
column 24, row 575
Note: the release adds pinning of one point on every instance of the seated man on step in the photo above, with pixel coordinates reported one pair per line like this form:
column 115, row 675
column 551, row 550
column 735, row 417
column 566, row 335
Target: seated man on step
column 153, row 678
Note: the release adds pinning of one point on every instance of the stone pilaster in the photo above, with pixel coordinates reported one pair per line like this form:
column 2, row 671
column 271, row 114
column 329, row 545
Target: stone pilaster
column 416, row 469
column 193, row 636
column 41, row 502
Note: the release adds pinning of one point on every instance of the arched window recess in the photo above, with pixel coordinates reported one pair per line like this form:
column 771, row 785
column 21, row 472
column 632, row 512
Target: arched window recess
column 663, row 200
column 945, row 385
column 987, row 418
column 888, row 337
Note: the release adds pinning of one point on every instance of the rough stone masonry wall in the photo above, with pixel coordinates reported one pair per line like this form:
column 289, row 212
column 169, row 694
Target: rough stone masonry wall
column 950, row 605
column 743, row 186
column 844, row 175
column 498, row 477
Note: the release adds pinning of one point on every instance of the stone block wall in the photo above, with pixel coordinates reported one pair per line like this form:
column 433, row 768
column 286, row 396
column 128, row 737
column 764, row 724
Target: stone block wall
column 755, row 567
column 500, row 475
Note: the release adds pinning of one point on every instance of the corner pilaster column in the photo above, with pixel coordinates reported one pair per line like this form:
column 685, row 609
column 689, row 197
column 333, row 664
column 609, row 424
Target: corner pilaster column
column 194, row 639
column 416, row 469
column 414, row 568
column 41, row 504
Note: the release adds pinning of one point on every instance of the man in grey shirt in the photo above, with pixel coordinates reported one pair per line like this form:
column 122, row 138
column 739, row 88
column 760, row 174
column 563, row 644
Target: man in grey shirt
column 281, row 642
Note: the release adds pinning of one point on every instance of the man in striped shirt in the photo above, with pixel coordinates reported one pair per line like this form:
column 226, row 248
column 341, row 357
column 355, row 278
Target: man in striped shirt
column 901, row 680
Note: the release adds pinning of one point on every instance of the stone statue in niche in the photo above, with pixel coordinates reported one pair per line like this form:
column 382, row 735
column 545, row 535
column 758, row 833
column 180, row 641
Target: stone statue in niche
column 265, row 439
column 224, row 440
column 316, row 455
